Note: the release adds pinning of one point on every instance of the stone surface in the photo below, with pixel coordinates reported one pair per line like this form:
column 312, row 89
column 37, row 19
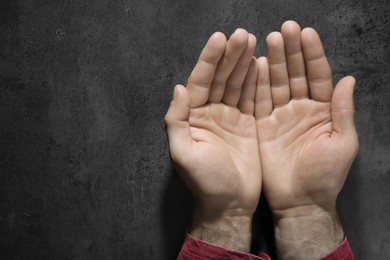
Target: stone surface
column 84, row 86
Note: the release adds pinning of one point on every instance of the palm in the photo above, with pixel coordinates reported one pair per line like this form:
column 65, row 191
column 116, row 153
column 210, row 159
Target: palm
column 302, row 137
column 306, row 134
column 212, row 131
column 225, row 162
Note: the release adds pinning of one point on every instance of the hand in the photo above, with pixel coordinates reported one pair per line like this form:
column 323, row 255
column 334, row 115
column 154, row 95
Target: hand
column 213, row 140
column 307, row 141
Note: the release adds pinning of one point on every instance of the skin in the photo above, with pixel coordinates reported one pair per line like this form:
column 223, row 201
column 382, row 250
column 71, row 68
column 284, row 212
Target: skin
column 276, row 123
column 213, row 140
column 307, row 141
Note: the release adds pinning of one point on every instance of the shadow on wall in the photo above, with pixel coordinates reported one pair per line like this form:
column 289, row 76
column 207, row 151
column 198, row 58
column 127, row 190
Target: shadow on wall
column 349, row 208
column 263, row 239
column 176, row 214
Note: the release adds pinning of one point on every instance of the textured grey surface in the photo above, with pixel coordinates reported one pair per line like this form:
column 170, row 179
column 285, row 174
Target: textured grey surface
column 84, row 86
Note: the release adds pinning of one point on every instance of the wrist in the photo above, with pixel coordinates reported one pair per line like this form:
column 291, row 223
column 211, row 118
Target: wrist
column 226, row 230
column 307, row 232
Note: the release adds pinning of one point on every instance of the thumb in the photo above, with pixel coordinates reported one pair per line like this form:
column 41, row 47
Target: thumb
column 176, row 121
column 342, row 106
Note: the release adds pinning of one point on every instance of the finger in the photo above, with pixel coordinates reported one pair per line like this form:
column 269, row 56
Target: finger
column 278, row 69
column 237, row 77
column 263, row 100
column 176, row 121
column 246, row 103
column 319, row 75
column 234, row 48
column 291, row 33
column 342, row 106
column 199, row 82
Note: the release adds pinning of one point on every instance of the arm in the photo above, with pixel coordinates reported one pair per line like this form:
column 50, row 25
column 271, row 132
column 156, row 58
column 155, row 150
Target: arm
column 307, row 141
column 213, row 141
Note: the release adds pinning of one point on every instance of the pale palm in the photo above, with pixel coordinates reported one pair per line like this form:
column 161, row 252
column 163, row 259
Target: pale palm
column 224, row 163
column 212, row 131
column 301, row 154
column 306, row 134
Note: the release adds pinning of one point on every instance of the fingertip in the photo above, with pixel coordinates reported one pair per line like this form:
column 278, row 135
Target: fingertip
column 275, row 47
column 175, row 92
column 179, row 87
column 351, row 79
column 253, row 63
column 240, row 31
column 180, row 94
column 347, row 81
column 240, row 36
column 343, row 107
column 179, row 106
column 273, row 38
column 252, row 40
column 309, row 30
column 343, row 96
column 218, row 39
column 218, row 35
column 347, row 85
column 262, row 59
column 290, row 26
column 309, row 35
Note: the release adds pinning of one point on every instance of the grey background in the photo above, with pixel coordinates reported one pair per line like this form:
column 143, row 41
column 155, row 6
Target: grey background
column 84, row 86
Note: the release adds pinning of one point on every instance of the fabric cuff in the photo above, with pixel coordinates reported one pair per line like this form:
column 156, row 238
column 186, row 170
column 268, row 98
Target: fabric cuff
column 342, row 252
column 194, row 248
column 197, row 249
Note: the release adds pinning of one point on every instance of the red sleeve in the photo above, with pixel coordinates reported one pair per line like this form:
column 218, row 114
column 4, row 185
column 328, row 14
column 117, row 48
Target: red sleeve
column 342, row 252
column 198, row 250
